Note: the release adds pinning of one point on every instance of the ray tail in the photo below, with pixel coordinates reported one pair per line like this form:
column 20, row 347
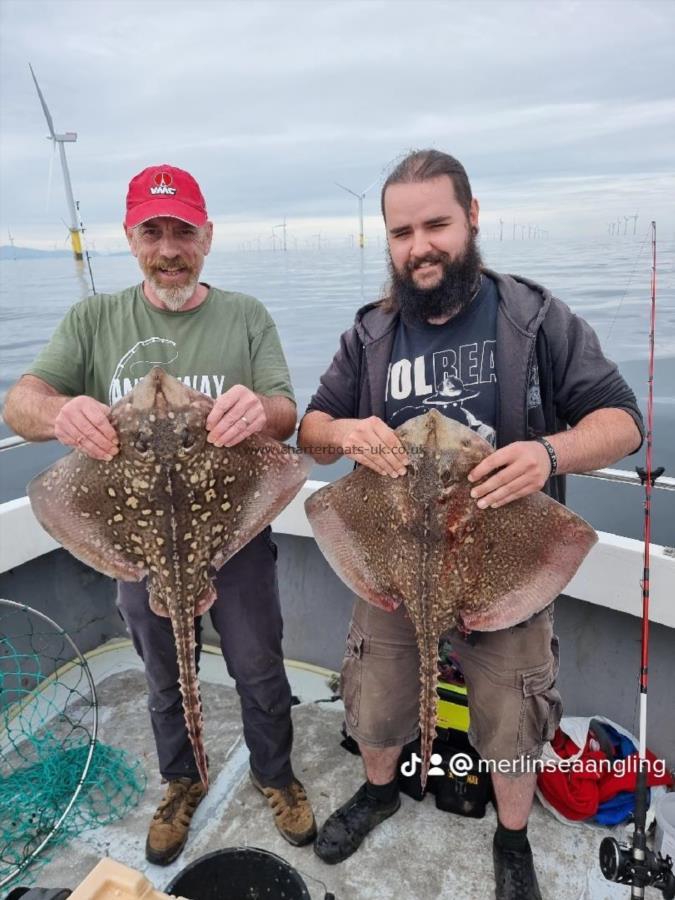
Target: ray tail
column 184, row 636
column 428, row 650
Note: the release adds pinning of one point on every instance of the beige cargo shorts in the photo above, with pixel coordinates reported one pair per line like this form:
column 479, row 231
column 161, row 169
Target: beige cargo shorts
column 510, row 678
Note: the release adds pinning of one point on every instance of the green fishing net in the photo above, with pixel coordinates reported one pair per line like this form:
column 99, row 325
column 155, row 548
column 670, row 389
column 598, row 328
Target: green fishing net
column 56, row 778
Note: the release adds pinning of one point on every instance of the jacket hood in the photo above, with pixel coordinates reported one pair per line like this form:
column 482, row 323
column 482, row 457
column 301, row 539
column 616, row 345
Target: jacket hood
column 522, row 301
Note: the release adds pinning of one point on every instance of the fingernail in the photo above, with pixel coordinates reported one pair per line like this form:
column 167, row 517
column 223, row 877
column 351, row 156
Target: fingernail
column 107, row 458
column 470, row 477
column 481, row 504
column 473, row 495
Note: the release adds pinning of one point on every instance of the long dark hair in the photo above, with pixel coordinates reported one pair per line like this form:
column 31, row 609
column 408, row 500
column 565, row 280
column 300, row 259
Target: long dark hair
column 423, row 165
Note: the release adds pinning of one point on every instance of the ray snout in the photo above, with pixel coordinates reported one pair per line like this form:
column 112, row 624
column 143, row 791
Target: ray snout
column 437, row 433
column 159, row 391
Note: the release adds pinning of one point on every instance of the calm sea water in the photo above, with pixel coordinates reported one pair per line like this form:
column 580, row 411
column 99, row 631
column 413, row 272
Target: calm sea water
column 313, row 295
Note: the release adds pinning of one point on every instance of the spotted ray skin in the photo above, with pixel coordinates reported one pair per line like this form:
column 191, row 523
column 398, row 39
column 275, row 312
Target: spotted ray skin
column 421, row 540
column 170, row 506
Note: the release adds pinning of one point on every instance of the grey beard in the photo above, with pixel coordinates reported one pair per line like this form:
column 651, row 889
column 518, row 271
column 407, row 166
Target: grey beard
column 174, row 298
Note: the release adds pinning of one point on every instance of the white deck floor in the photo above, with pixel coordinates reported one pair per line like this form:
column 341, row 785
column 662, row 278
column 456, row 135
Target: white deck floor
column 418, row 854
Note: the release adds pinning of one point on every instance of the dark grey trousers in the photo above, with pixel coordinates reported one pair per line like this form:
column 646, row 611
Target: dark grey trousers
column 247, row 616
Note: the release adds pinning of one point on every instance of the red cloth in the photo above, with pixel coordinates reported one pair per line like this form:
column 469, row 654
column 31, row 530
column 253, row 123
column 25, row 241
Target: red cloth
column 577, row 794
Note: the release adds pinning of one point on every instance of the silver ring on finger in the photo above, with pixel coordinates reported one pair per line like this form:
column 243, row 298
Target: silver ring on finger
column 245, row 421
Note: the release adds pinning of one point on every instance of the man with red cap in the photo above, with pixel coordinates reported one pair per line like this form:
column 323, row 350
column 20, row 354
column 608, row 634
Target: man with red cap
column 225, row 345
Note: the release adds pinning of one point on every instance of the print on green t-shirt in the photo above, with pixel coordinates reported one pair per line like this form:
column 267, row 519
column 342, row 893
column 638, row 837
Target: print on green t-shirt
column 104, row 345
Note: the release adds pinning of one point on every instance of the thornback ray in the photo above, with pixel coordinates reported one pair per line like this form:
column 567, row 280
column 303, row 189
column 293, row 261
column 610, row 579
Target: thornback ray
column 421, row 540
column 169, row 506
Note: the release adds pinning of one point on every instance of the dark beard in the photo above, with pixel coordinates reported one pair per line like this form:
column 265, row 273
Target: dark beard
column 451, row 296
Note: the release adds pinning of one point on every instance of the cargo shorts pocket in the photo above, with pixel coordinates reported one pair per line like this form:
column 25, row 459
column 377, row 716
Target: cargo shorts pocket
column 540, row 711
column 351, row 675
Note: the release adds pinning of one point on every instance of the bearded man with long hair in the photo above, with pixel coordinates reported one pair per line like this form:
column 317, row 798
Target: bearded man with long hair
column 500, row 354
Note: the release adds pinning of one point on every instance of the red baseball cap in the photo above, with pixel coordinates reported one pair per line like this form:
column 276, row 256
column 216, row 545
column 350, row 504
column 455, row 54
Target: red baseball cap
column 165, row 191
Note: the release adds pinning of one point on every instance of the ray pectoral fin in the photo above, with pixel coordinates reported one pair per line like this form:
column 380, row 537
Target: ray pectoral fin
column 256, row 480
column 68, row 500
column 521, row 577
column 346, row 547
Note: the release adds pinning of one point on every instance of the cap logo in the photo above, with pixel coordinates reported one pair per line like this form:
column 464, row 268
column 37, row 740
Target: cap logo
column 162, row 184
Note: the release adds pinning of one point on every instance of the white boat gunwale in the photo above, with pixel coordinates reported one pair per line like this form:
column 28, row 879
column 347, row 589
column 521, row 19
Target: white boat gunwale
column 609, row 576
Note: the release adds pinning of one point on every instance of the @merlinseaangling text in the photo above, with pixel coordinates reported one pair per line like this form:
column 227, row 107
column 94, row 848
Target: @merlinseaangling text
column 461, row 764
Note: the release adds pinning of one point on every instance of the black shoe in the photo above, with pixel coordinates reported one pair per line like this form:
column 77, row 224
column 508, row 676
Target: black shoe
column 343, row 831
column 515, row 877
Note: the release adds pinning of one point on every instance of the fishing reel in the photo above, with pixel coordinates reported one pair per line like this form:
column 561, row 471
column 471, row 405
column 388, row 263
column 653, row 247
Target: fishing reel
column 653, row 870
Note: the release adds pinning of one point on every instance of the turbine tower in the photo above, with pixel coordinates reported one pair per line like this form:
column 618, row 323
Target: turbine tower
column 60, row 139
column 281, row 225
column 360, row 198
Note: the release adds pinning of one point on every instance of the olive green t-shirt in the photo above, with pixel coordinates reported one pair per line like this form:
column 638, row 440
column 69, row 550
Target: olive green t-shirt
column 104, row 345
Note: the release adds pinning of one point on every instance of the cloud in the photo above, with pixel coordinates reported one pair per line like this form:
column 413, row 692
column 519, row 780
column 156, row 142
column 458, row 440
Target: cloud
column 269, row 104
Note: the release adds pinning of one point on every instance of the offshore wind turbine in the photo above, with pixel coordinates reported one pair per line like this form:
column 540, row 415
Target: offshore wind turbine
column 68, row 137
column 281, row 225
column 360, row 198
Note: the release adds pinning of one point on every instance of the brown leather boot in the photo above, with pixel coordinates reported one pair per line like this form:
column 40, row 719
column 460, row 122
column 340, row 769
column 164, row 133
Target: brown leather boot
column 293, row 814
column 171, row 823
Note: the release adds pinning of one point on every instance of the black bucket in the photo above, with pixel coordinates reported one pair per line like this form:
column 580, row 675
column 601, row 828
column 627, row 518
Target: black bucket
column 239, row 873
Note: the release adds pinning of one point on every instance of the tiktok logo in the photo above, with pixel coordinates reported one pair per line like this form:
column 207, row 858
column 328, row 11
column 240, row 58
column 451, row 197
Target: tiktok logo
column 409, row 768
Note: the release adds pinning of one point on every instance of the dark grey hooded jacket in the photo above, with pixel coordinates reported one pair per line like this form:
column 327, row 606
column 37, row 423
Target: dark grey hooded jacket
column 540, row 342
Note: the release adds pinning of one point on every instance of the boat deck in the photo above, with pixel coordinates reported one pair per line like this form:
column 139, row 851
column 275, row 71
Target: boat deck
column 420, row 853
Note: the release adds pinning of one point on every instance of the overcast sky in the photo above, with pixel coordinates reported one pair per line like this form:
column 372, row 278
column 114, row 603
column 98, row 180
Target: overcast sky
column 562, row 112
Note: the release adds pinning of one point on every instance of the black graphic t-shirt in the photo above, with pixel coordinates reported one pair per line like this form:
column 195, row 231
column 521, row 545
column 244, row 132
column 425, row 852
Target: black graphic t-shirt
column 448, row 367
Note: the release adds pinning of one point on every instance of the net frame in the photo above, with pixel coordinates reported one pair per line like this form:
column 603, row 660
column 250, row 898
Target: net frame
column 37, row 690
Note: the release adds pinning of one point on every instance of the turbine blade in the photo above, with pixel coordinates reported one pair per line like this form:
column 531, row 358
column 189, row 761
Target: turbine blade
column 48, row 115
column 349, row 190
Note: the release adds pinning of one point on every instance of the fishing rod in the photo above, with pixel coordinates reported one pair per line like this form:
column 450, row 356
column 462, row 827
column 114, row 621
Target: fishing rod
column 636, row 864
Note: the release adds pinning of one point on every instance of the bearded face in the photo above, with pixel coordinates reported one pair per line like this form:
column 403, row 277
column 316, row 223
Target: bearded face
column 421, row 296
column 171, row 254
column 173, row 280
